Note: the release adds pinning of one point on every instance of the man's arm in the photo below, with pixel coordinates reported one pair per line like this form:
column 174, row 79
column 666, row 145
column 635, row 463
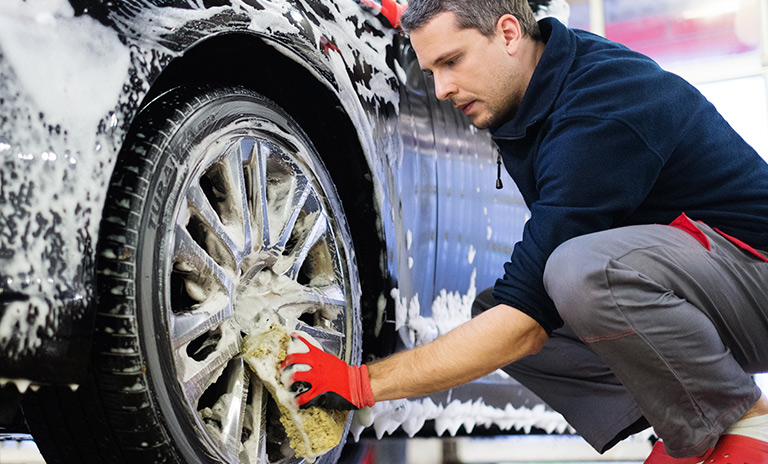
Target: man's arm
column 481, row 345
column 478, row 347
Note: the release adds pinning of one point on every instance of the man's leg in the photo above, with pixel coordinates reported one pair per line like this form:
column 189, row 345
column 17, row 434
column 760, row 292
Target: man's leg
column 680, row 326
column 575, row 382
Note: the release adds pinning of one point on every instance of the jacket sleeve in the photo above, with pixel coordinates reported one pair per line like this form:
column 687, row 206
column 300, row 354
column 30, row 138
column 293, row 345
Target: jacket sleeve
column 591, row 173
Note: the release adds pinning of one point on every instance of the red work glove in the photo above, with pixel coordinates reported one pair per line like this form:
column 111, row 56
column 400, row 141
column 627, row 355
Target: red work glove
column 332, row 383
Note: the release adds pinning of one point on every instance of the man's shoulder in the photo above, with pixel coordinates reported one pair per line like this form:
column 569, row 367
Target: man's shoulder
column 604, row 73
column 611, row 80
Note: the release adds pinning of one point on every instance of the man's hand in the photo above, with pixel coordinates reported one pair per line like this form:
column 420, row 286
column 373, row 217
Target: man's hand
column 331, row 382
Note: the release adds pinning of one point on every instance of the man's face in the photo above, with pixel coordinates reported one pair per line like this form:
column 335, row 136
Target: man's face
column 477, row 73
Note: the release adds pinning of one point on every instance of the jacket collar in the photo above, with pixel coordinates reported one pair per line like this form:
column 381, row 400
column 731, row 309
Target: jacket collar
column 547, row 80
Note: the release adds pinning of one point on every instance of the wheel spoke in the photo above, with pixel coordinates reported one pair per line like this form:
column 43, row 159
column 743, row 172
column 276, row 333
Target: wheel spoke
column 256, row 184
column 210, row 231
column 206, row 283
column 199, row 376
column 239, row 197
column 332, row 297
column 185, row 327
column 328, row 301
column 291, row 208
column 331, row 340
column 191, row 257
column 307, row 241
column 236, row 380
column 255, row 423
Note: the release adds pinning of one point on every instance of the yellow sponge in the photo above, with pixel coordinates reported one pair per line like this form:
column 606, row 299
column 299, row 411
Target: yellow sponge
column 312, row 431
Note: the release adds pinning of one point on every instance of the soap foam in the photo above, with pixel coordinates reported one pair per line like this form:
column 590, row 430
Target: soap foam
column 387, row 416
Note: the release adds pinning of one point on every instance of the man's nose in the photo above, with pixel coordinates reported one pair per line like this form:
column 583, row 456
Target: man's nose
column 444, row 88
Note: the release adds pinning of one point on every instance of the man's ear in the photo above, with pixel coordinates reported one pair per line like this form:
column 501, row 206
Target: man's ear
column 509, row 28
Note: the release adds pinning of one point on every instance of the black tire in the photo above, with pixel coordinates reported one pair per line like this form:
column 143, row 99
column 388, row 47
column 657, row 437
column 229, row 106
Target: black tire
column 217, row 196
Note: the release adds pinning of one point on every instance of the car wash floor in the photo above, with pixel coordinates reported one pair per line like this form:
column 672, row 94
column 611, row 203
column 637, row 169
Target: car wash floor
column 515, row 449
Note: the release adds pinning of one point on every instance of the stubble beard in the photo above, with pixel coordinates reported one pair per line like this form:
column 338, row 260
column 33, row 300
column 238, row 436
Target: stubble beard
column 483, row 121
column 506, row 87
column 495, row 116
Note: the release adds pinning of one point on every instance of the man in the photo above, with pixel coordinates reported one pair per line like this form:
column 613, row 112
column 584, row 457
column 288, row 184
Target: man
column 614, row 319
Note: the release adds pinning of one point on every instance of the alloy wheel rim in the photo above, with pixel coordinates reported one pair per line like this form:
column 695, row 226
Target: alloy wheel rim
column 253, row 234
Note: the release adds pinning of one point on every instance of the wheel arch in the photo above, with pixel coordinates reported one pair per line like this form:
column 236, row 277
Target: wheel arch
column 319, row 112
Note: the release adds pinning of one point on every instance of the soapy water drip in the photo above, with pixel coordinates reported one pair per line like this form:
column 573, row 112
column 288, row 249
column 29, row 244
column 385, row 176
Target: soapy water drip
column 449, row 310
column 387, row 416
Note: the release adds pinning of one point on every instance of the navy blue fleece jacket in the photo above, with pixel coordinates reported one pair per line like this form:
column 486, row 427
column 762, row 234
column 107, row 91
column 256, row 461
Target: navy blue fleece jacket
column 605, row 138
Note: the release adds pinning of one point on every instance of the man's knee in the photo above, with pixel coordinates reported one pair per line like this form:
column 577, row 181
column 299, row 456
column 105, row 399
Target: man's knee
column 575, row 280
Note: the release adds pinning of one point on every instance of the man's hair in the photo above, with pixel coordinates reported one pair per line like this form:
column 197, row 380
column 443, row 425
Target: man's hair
column 472, row 14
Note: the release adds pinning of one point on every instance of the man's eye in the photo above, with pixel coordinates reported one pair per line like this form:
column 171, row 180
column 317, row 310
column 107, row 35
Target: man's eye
column 452, row 62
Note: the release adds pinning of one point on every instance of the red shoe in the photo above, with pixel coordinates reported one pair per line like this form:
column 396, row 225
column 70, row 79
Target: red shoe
column 659, row 456
column 738, row 449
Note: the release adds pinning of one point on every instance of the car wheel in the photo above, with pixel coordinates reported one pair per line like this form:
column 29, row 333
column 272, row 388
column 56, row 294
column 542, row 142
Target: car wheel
column 219, row 210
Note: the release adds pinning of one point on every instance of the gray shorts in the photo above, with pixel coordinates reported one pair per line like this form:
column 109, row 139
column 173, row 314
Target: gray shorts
column 659, row 330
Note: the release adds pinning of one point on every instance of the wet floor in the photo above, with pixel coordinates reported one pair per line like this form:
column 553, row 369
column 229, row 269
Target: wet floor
column 516, row 449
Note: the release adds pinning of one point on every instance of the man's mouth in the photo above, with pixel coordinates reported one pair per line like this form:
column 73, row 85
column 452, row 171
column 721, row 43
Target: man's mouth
column 467, row 107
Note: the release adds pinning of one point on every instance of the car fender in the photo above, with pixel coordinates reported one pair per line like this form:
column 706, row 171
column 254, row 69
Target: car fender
column 62, row 130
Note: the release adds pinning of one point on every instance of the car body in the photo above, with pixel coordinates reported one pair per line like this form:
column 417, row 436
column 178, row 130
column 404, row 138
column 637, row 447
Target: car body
column 387, row 197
